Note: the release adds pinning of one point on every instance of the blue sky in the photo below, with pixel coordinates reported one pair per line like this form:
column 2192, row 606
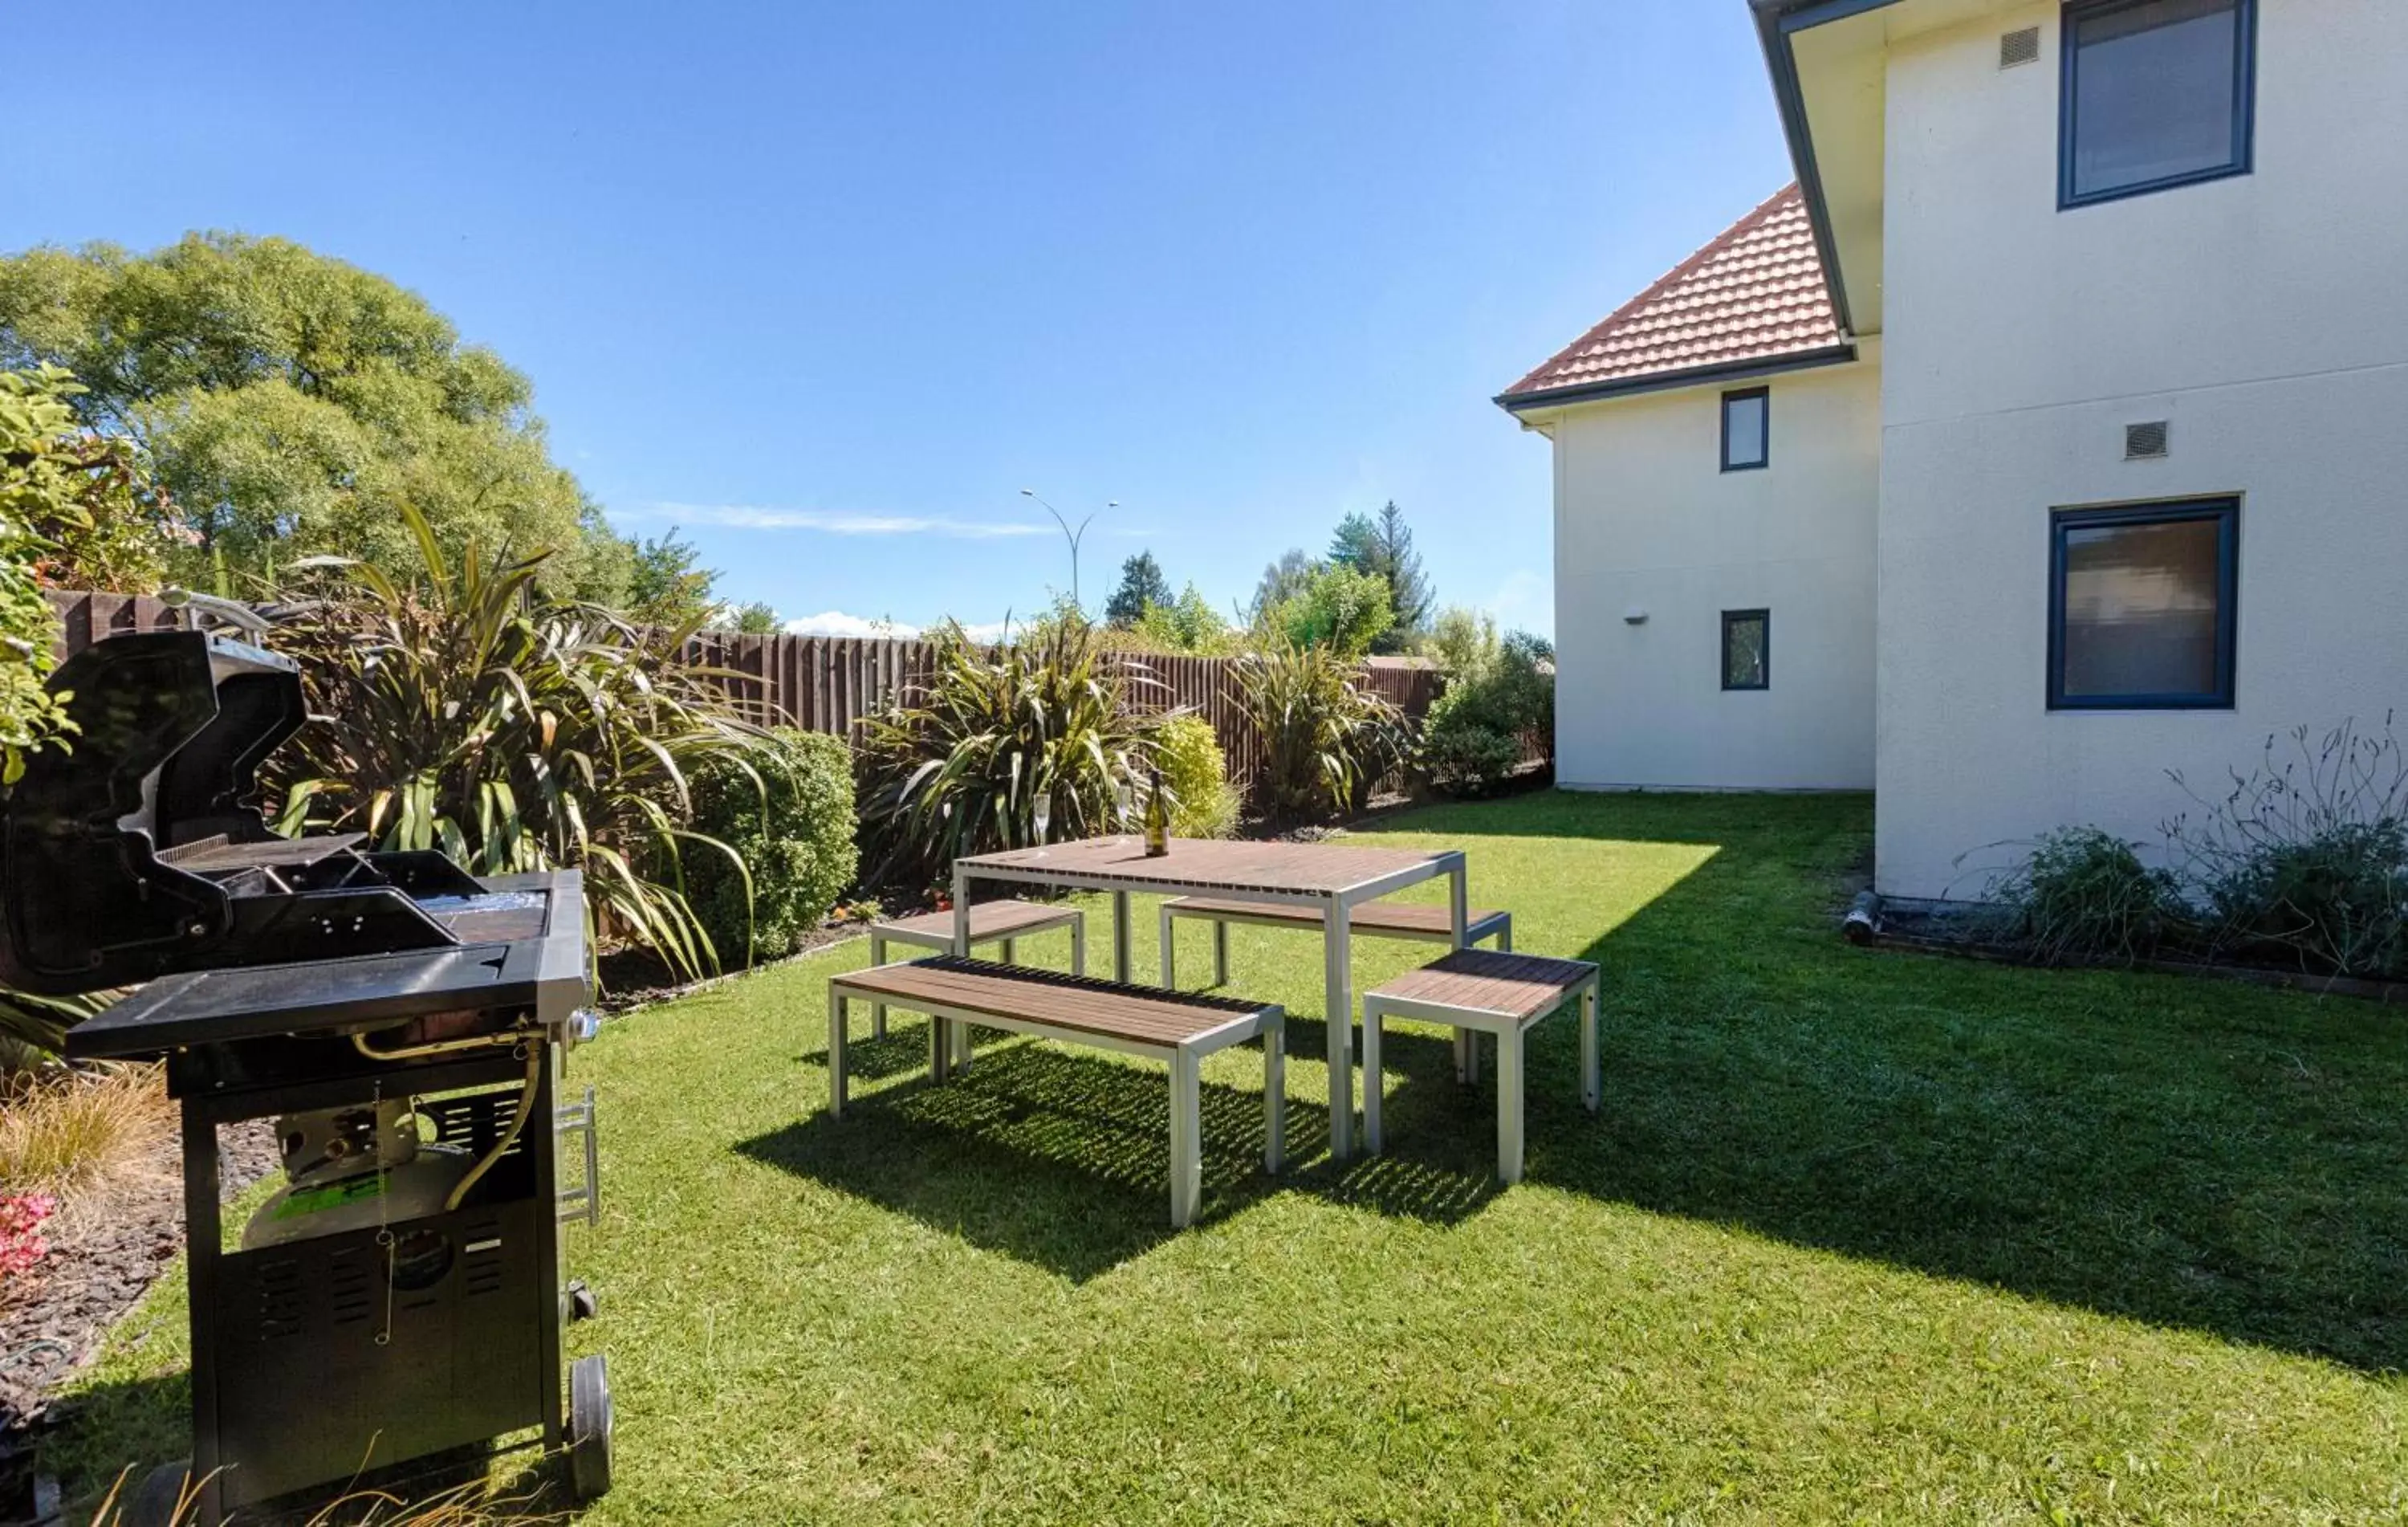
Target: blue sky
column 826, row 286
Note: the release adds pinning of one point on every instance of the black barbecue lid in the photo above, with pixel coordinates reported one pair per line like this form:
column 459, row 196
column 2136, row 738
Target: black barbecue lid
column 539, row 964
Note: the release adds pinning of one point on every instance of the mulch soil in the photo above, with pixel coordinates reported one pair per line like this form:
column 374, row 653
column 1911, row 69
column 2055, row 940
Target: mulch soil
column 51, row 1317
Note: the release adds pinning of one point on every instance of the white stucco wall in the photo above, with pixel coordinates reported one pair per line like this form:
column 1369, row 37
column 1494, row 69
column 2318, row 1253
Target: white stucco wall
column 2265, row 315
column 1646, row 519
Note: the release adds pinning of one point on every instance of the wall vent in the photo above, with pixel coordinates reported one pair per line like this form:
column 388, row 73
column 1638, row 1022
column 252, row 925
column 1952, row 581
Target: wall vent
column 2018, row 48
column 2146, row 442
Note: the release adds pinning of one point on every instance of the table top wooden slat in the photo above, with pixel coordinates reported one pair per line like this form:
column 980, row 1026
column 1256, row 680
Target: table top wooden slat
column 1488, row 982
column 1225, row 864
column 1077, row 1003
column 988, row 919
column 1397, row 917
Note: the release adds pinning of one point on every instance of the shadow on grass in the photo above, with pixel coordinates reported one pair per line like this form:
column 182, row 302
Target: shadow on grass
column 2174, row 1151
column 2178, row 1152
column 1062, row 1159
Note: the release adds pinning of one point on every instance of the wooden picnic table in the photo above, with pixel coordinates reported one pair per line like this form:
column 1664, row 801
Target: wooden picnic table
column 1334, row 877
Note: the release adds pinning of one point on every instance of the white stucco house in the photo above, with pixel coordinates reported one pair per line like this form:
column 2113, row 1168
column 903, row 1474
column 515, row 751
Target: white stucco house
column 2050, row 434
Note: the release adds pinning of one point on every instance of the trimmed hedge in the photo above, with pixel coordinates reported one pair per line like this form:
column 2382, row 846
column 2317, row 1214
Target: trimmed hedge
column 795, row 831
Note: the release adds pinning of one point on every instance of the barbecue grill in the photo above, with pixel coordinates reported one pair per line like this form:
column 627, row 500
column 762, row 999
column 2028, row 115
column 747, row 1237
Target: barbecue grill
column 404, row 1023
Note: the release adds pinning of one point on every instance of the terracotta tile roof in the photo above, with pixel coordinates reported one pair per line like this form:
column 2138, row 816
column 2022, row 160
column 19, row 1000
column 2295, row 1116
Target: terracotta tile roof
column 1757, row 292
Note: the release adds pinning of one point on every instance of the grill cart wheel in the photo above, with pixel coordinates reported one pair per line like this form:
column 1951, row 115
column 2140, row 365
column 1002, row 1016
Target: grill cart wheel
column 589, row 1427
column 154, row 1501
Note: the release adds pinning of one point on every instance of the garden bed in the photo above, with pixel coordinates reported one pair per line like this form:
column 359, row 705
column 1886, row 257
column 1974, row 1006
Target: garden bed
column 1965, row 932
column 107, row 1247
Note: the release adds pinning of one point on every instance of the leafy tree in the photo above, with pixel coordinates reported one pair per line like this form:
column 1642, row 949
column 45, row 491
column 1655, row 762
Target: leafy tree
column 292, row 404
column 1283, row 580
column 1142, row 584
column 1187, row 623
column 1462, row 641
column 1337, row 607
column 1382, row 544
column 756, row 619
column 666, row 584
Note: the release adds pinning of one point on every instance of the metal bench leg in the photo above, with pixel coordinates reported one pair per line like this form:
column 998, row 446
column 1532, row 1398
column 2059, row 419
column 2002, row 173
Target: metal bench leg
column 960, row 1032
column 877, row 1009
column 1169, row 961
column 836, row 1052
column 1186, row 1146
column 1078, row 946
column 1462, row 1057
column 1007, row 957
column 1275, row 1097
column 1508, row 1105
column 1220, row 953
column 1372, row 1023
column 1505, row 937
column 1592, row 1084
column 938, row 1041
column 1471, row 1054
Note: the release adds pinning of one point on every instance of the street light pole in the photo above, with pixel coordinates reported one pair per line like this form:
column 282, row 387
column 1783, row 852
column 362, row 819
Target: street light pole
column 1073, row 537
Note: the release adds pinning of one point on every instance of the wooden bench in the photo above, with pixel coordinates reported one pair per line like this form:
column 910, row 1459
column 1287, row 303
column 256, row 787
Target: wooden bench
column 1172, row 1027
column 1480, row 991
column 990, row 922
column 1372, row 919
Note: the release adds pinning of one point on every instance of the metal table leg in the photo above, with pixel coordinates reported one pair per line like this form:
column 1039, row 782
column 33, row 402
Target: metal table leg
column 1339, row 1008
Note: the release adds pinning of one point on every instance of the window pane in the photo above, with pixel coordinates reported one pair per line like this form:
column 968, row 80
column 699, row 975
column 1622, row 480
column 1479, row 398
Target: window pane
column 2140, row 609
column 1743, row 666
column 2152, row 93
column 1743, row 431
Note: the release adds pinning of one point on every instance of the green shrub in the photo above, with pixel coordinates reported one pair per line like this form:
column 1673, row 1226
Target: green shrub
column 958, row 764
column 1327, row 738
column 1463, row 759
column 787, row 811
column 1499, row 694
column 1197, row 777
column 459, row 708
column 2083, row 894
column 2305, row 857
column 2340, row 898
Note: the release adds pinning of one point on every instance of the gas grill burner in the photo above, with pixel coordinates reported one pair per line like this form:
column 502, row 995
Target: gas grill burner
column 404, row 1023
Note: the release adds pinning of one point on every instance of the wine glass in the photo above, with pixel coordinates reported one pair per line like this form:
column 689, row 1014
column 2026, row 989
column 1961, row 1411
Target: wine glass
column 1042, row 811
column 1121, row 803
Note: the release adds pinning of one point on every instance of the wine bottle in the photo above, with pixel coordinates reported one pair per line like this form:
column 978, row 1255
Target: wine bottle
column 1157, row 820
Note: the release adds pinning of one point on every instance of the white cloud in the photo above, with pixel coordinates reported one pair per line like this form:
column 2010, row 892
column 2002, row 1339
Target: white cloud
column 836, row 522
column 837, row 623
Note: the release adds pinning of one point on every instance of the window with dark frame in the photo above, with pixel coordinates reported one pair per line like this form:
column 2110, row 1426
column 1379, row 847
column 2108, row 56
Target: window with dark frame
column 1747, row 649
column 2141, row 606
column 2156, row 94
column 1747, row 429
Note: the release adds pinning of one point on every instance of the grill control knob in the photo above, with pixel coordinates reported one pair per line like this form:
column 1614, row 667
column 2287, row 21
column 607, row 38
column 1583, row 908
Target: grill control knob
column 583, row 1025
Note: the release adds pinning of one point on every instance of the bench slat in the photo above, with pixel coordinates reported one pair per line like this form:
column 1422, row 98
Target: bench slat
column 1081, row 1004
column 1485, row 981
column 988, row 920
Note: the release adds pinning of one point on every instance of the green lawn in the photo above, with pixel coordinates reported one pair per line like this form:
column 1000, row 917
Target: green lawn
column 1859, row 1236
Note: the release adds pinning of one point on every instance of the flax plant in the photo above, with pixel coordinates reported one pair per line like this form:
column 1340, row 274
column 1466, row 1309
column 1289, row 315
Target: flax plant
column 457, row 707
column 959, row 763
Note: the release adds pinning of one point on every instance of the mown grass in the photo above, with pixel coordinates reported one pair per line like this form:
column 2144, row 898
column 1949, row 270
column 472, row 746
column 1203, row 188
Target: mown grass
column 1859, row 1236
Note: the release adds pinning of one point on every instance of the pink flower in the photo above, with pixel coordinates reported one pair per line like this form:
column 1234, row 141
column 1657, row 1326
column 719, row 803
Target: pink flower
column 20, row 1221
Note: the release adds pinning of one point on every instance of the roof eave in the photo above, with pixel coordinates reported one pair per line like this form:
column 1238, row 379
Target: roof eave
column 1776, row 21
column 1663, row 382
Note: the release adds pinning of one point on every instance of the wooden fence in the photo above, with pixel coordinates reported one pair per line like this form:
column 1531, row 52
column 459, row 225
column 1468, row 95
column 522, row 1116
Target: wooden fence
column 829, row 683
